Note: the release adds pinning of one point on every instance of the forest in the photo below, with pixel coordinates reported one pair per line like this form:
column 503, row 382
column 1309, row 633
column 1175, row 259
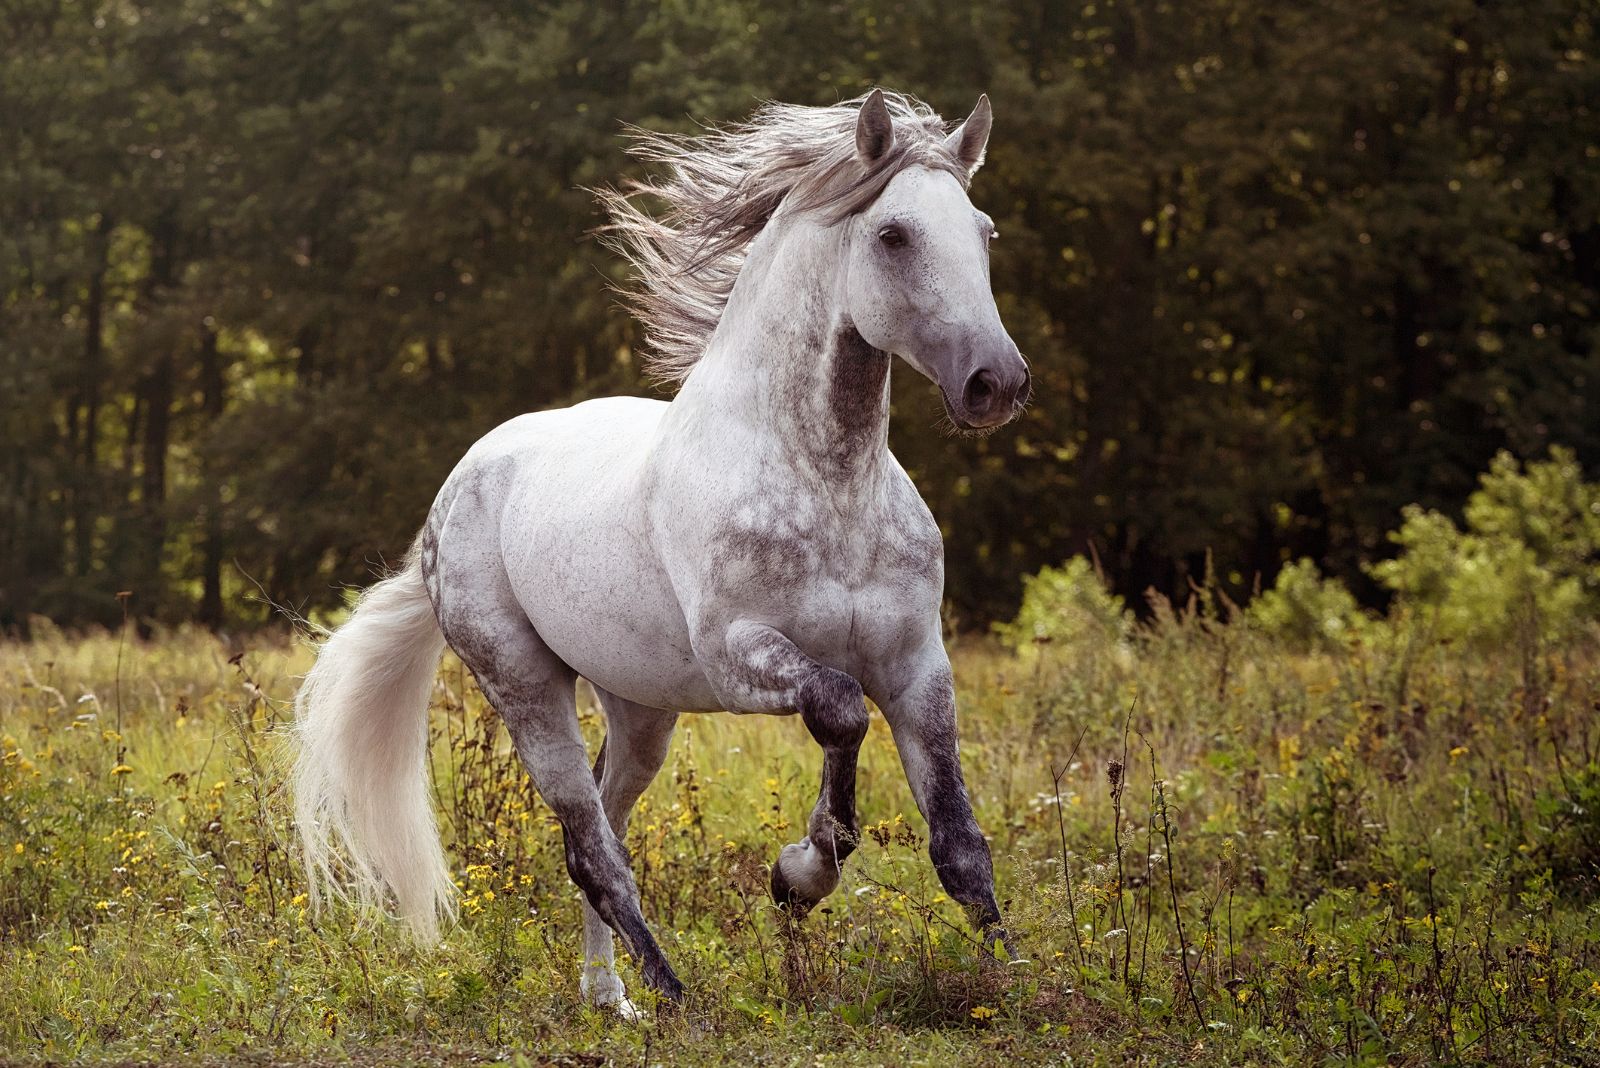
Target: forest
column 268, row 267
column 1274, row 620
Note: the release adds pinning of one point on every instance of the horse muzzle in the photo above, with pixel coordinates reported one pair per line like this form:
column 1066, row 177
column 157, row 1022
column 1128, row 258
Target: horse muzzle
column 996, row 390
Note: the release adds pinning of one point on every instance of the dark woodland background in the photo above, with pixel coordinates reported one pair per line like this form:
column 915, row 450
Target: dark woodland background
column 268, row 268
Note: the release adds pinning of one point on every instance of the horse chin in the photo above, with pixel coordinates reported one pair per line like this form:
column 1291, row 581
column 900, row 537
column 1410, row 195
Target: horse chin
column 957, row 424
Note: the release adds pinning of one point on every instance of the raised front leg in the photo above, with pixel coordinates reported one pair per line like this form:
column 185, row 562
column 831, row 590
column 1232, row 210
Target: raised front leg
column 922, row 714
column 762, row 671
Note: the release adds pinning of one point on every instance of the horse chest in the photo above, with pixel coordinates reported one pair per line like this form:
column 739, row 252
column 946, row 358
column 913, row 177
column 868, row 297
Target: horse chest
column 844, row 586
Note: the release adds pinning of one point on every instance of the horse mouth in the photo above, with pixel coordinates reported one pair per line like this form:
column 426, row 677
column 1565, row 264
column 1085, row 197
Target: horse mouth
column 961, row 425
column 987, row 402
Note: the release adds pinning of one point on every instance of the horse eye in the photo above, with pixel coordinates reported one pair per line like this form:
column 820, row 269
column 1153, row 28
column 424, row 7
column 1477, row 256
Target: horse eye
column 891, row 236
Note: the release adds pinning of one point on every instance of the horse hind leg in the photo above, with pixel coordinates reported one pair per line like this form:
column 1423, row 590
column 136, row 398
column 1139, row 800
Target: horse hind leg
column 636, row 744
column 534, row 693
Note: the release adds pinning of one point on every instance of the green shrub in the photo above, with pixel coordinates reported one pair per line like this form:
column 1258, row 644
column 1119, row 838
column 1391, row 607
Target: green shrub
column 1306, row 609
column 1526, row 569
column 1067, row 604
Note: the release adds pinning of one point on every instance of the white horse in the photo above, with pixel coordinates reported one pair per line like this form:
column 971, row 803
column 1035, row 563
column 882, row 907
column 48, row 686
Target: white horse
column 750, row 546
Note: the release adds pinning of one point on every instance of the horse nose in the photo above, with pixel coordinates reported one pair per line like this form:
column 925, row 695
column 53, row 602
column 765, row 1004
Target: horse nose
column 980, row 393
column 992, row 393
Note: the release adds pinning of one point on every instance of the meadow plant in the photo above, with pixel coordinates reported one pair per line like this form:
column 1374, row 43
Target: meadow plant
column 1221, row 837
column 1308, row 611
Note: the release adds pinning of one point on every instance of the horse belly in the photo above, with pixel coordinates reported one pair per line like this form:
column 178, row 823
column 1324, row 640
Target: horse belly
column 634, row 646
column 602, row 604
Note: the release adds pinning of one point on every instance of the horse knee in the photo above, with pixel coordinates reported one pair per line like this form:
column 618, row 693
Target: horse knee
column 596, row 864
column 834, row 710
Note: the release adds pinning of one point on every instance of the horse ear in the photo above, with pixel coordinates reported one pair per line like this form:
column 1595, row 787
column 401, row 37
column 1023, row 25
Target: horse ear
column 967, row 144
column 874, row 129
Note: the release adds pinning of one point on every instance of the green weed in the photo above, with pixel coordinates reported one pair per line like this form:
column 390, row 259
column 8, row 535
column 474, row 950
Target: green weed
column 1214, row 844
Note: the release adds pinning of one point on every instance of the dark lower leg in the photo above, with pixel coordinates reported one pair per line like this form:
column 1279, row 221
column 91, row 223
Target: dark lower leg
column 960, row 856
column 831, row 706
column 598, row 864
column 924, row 722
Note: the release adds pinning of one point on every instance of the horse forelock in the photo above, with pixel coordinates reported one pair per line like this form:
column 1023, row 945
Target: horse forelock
column 721, row 188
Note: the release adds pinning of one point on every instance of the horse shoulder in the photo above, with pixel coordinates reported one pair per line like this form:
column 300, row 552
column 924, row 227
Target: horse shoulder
column 910, row 543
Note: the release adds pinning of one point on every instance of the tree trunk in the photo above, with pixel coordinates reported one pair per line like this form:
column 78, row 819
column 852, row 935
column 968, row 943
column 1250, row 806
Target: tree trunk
column 153, row 476
column 212, row 401
column 85, row 495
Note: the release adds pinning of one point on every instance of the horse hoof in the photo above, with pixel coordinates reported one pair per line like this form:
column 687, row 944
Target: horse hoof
column 669, row 990
column 786, row 896
column 620, row 1006
column 997, row 936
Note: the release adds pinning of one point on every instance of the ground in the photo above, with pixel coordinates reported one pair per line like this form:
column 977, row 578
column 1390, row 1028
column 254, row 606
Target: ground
column 1378, row 853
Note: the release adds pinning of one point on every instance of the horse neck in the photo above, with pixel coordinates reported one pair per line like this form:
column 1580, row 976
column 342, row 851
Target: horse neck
column 787, row 360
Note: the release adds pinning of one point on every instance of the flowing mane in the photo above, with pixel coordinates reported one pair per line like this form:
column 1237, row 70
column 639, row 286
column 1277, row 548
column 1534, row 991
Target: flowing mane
column 720, row 189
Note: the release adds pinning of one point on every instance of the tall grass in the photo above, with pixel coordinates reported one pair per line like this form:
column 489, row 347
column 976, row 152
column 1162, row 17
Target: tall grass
column 1212, row 845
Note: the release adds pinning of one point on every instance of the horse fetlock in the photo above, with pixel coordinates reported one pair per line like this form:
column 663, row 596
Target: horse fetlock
column 600, row 985
column 966, row 871
column 994, row 935
column 835, row 834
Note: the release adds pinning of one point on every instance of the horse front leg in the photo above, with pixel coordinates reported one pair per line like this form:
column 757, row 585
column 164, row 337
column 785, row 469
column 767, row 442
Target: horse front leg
column 763, row 671
column 921, row 712
column 832, row 708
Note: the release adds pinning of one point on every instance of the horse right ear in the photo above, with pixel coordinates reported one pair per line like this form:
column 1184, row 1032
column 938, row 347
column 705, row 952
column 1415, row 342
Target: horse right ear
column 874, row 129
column 968, row 143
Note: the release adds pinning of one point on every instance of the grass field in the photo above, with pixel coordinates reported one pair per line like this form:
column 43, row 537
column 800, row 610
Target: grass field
column 1382, row 854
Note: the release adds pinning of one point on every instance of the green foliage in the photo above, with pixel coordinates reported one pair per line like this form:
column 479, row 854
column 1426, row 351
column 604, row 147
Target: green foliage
column 1569, row 814
column 1526, row 568
column 1549, row 508
column 1069, row 603
column 267, row 270
column 1358, row 880
column 1307, row 610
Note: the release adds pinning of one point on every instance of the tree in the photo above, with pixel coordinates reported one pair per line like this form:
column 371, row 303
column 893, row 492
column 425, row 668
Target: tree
column 269, row 269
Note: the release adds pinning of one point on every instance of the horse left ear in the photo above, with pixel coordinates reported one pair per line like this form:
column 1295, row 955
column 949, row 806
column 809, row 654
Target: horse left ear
column 967, row 143
column 874, row 129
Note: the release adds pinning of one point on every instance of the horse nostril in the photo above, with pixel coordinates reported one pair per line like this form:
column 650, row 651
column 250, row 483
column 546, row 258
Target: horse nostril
column 1026, row 389
column 981, row 390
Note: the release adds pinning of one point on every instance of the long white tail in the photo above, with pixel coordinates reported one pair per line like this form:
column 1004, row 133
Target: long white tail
column 361, row 795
